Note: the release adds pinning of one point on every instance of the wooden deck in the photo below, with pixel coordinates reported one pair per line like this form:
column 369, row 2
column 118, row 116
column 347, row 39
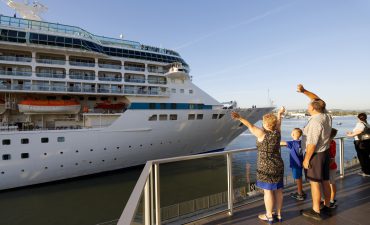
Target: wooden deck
column 353, row 195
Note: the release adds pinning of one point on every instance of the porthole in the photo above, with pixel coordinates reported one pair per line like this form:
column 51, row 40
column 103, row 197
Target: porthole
column 25, row 155
column 90, row 162
column 173, row 116
column 214, row 116
column 117, row 147
column 6, row 157
column 45, row 153
column 6, row 141
column 2, row 172
column 103, row 160
column 115, row 158
column 141, row 145
column 45, row 167
column 199, row 116
column 191, row 117
column 91, row 150
column 61, row 153
column 105, row 149
column 44, row 140
column 60, row 139
column 76, row 164
column 76, row 151
column 61, row 165
column 25, row 141
column 22, row 170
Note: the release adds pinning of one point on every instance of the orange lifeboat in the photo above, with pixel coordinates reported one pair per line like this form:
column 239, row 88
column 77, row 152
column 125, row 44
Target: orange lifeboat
column 49, row 106
column 109, row 105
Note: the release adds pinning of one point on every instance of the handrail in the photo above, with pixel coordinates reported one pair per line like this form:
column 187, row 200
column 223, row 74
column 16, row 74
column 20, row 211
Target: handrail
column 146, row 179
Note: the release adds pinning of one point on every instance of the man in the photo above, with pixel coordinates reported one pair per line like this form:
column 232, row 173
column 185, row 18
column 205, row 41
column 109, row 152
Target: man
column 316, row 141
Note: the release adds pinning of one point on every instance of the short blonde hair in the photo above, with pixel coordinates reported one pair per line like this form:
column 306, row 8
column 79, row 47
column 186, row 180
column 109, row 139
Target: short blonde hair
column 270, row 120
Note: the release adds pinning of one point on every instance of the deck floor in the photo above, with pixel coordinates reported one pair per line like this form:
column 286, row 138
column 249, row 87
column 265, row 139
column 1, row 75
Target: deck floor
column 353, row 196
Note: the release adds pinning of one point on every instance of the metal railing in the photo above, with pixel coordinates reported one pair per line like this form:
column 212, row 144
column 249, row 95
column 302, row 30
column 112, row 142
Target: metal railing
column 15, row 73
column 135, row 68
column 86, row 64
column 109, row 66
column 51, row 75
column 148, row 188
column 15, row 58
column 51, row 61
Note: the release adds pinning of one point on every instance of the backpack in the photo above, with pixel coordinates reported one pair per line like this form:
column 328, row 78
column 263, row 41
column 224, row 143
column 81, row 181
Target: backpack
column 365, row 135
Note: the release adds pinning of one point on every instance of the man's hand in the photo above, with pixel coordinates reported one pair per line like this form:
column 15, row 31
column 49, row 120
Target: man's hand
column 306, row 164
column 300, row 88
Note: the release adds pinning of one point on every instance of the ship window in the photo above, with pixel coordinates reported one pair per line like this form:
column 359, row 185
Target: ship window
column 162, row 105
column 151, row 105
column 173, row 117
column 6, row 141
column 44, row 140
column 51, row 97
column 221, row 115
column 163, row 117
column 25, row 141
column 91, row 98
column 191, row 117
column 214, row 116
column 173, row 105
column 153, row 118
column 6, row 157
column 173, row 90
column 25, row 155
column 190, row 91
column 104, row 98
column 199, row 116
column 182, row 91
column 60, row 139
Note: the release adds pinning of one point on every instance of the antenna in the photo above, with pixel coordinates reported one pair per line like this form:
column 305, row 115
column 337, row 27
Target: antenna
column 27, row 11
column 270, row 102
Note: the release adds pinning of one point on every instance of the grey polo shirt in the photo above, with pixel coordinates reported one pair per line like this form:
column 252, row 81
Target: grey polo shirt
column 317, row 132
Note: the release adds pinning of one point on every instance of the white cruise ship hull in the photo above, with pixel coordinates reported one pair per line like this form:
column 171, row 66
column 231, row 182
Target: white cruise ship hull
column 130, row 141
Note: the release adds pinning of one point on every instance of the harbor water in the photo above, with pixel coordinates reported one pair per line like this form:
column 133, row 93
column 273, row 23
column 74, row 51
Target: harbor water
column 101, row 198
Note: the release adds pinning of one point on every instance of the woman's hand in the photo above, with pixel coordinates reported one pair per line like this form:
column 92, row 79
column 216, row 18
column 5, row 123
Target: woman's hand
column 300, row 88
column 235, row 115
column 349, row 134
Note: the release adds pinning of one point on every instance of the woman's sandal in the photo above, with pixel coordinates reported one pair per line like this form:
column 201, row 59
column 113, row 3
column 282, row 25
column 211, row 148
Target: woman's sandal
column 279, row 218
column 264, row 217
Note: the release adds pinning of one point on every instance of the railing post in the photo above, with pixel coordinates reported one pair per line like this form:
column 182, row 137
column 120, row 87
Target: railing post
column 152, row 196
column 157, row 195
column 230, row 192
column 341, row 157
column 147, row 202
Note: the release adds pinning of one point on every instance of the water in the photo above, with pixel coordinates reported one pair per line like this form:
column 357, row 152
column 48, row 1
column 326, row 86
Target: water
column 96, row 199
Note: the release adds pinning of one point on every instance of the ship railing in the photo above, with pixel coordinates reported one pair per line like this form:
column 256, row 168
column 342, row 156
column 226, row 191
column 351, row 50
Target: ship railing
column 51, row 75
column 15, row 73
column 110, row 66
column 135, row 80
column 86, row 64
column 151, row 70
column 82, row 77
column 110, row 78
column 51, row 61
column 155, row 81
column 135, row 68
column 15, row 58
column 144, row 205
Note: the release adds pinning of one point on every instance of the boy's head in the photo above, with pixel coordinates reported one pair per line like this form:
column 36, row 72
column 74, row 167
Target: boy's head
column 296, row 133
column 333, row 133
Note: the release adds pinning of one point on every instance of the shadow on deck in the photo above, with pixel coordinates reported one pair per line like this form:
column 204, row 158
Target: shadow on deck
column 353, row 199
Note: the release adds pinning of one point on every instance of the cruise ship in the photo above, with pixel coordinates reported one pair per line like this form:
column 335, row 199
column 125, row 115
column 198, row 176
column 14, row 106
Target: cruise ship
column 73, row 103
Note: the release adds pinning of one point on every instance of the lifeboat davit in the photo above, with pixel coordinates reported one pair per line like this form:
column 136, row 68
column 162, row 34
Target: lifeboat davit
column 49, row 106
column 2, row 106
column 109, row 105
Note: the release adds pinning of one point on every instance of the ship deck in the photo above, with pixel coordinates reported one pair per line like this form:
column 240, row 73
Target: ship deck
column 353, row 196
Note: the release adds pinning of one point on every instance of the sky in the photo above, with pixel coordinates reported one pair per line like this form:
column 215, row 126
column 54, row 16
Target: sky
column 245, row 50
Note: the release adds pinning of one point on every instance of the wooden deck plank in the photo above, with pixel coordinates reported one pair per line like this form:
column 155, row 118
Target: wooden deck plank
column 353, row 195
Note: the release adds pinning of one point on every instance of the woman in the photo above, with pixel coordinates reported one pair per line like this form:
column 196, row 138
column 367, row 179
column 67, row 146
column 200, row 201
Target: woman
column 270, row 166
column 362, row 147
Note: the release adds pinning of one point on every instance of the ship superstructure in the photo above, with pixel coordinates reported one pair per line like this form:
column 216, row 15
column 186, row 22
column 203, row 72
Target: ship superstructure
column 73, row 103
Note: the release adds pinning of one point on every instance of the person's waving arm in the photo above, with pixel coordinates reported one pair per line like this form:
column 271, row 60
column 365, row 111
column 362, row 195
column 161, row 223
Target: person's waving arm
column 256, row 131
column 310, row 95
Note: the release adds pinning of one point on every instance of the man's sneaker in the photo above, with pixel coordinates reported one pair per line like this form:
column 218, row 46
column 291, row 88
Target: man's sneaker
column 326, row 210
column 297, row 196
column 311, row 214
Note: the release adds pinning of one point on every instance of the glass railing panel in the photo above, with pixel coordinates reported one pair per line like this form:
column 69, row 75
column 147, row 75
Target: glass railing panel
column 135, row 80
column 154, row 81
column 134, row 68
column 37, row 87
column 200, row 195
column 110, row 79
column 51, row 61
column 74, row 89
column 15, row 73
column 82, row 77
column 88, row 89
column 15, row 58
column 103, row 90
column 51, row 75
column 5, row 86
column 73, row 63
column 58, row 88
column 110, row 66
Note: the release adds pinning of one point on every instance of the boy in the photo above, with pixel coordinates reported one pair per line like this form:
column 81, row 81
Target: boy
column 296, row 159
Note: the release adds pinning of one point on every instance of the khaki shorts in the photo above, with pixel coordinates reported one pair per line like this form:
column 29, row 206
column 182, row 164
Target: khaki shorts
column 319, row 167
